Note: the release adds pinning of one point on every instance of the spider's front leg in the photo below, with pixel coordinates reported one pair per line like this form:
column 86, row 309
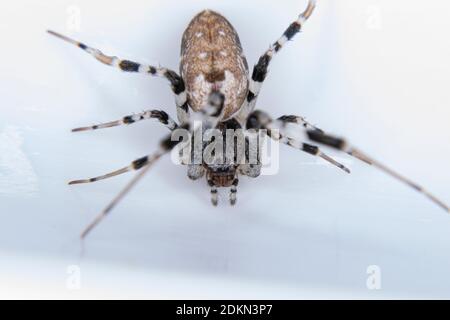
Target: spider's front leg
column 160, row 115
column 176, row 81
column 260, row 120
column 261, row 68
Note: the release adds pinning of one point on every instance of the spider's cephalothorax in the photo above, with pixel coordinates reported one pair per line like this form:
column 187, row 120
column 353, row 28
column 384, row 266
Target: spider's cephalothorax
column 216, row 87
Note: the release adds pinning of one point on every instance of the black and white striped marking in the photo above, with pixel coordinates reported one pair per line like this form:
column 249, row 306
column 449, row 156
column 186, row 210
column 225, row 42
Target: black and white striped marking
column 142, row 164
column 343, row 145
column 284, row 120
column 176, row 82
column 261, row 120
column 233, row 192
column 160, row 115
column 308, row 148
column 261, row 68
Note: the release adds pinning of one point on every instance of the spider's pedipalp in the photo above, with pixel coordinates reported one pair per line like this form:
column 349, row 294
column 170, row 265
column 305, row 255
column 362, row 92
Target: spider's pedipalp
column 176, row 82
column 343, row 145
column 160, row 115
column 214, row 196
column 233, row 192
column 214, row 193
column 135, row 165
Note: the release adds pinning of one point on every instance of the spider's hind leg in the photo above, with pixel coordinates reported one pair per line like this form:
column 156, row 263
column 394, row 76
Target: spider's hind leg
column 176, row 81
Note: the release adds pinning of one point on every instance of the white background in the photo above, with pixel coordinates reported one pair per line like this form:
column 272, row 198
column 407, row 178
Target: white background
column 376, row 72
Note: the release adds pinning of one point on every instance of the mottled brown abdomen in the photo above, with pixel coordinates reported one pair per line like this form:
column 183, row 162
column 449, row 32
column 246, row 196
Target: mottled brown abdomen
column 212, row 59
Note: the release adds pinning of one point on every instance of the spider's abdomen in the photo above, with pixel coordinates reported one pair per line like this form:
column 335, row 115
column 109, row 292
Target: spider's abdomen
column 212, row 59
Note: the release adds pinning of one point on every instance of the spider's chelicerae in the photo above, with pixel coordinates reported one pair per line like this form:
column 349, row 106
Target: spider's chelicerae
column 214, row 85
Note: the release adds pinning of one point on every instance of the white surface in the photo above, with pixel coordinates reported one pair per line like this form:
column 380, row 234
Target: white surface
column 374, row 71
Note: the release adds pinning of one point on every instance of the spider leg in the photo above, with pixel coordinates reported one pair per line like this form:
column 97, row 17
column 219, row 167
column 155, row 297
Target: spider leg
column 261, row 120
column 160, row 115
column 261, row 68
column 343, row 145
column 308, row 148
column 166, row 146
column 284, row 120
column 233, row 192
column 115, row 201
column 175, row 80
column 135, row 165
column 145, row 163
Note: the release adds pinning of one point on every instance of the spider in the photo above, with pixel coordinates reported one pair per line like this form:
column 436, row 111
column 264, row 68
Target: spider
column 215, row 83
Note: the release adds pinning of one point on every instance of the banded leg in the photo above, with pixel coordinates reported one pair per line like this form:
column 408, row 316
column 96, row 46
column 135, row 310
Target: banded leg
column 135, row 165
column 308, row 148
column 214, row 196
column 233, row 192
column 343, row 145
column 284, row 120
column 145, row 163
column 261, row 68
column 175, row 80
column 260, row 120
column 160, row 115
